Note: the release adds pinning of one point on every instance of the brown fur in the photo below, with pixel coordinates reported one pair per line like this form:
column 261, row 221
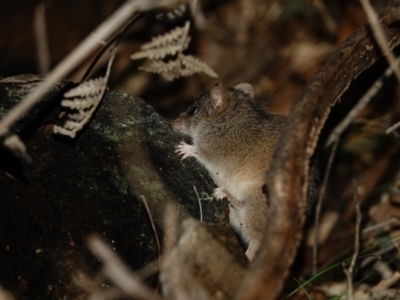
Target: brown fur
column 234, row 139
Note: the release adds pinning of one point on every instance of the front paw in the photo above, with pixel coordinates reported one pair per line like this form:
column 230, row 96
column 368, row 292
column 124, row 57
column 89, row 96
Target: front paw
column 185, row 150
column 220, row 193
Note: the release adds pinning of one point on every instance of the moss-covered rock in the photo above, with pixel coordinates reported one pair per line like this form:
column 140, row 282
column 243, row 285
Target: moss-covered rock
column 91, row 184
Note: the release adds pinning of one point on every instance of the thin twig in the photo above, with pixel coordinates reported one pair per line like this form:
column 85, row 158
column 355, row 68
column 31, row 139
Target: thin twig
column 117, row 271
column 42, row 45
column 377, row 123
column 362, row 103
column 5, row 295
column 80, row 53
column 330, row 23
column 170, row 227
column 385, row 283
column 116, row 38
column 319, row 205
column 153, row 226
column 383, row 269
column 380, row 36
column 387, row 248
column 350, row 270
column 380, row 225
column 198, row 198
column 93, row 288
column 150, row 269
column 113, row 52
column 392, row 128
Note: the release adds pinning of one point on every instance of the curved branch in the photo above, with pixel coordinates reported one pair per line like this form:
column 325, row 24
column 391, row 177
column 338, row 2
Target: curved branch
column 287, row 177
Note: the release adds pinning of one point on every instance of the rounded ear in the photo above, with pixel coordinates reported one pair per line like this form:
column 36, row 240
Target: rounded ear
column 219, row 96
column 246, row 88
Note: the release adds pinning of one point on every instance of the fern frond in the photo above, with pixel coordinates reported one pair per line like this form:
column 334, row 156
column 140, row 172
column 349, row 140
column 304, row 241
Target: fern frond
column 70, row 128
column 175, row 36
column 63, row 131
column 71, row 125
column 76, row 117
column 170, row 75
column 88, row 88
column 159, row 67
column 79, row 120
column 177, row 13
column 196, row 65
column 184, row 65
column 79, row 104
column 169, row 70
column 171, row 43
column 87, row 97
column 187, row 72
column 157, row 53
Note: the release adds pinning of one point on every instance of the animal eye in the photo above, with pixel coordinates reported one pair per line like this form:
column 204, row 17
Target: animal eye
column 193, row 110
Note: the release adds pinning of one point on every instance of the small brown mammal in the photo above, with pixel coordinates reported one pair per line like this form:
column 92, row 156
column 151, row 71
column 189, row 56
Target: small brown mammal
column 234, row 139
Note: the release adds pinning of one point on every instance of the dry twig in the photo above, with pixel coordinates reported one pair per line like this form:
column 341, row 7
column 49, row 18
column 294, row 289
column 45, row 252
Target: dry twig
column 13, row 143
column 386, row 283
column 378, row 254
column 118, row 272
column 330, row 22
column 115, row 39
column 380, row 225
column 350, row 270
column 80, row 53
column 198, row 198
column 319, row 205
column 170, row 227
column 380, row 37
column 392, row 128
column 361, row 104
column 94, row 288
column 42, row 44
column 153, row 227
column 5, row 295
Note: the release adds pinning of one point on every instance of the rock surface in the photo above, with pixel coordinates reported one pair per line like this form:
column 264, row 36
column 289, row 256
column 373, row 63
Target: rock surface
column 91, row 184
